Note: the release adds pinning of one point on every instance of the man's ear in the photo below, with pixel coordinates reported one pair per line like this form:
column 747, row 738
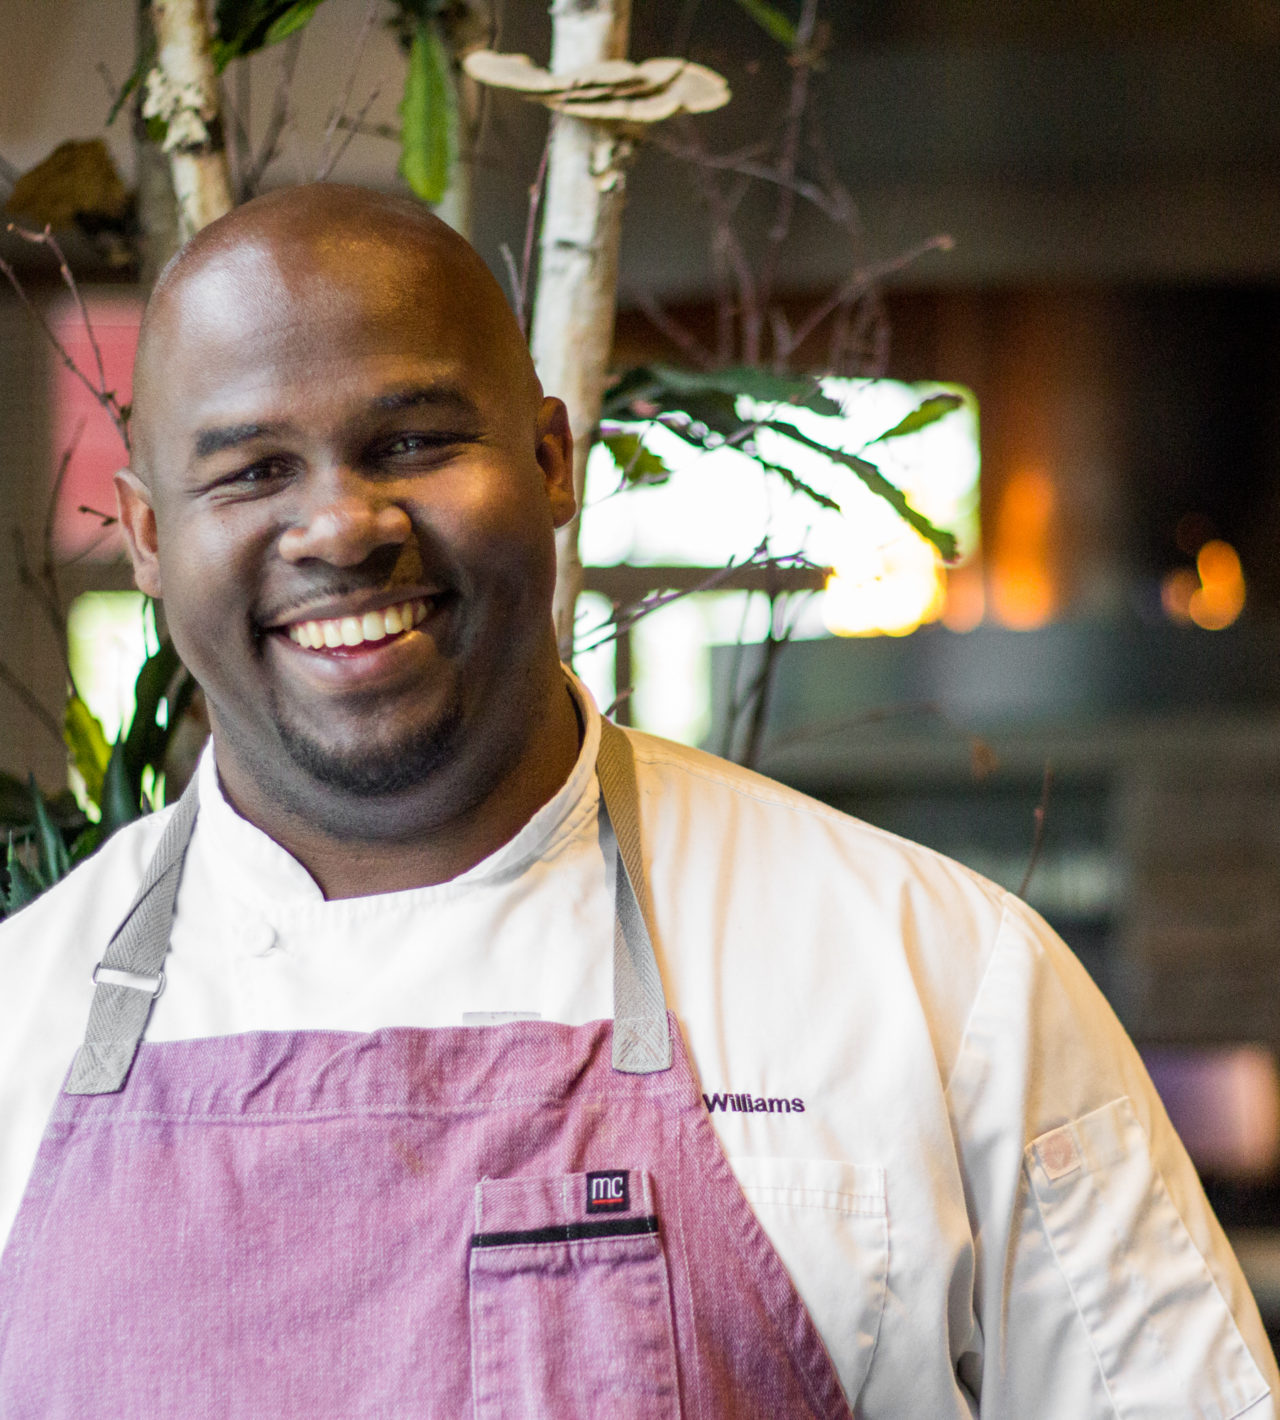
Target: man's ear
column 555, row 458
column 138, row 522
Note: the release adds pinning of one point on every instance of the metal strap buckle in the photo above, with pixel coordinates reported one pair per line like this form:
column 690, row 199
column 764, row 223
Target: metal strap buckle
column 131, row 979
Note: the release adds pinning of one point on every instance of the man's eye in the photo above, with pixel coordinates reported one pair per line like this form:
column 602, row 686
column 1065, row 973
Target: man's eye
column 421, row 443
column 256, row 475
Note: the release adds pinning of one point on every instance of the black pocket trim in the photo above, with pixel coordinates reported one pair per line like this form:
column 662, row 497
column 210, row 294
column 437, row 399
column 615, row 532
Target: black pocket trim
column 570, row 1232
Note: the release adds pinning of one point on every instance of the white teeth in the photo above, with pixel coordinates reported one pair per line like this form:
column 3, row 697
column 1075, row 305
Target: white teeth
column 356, row 630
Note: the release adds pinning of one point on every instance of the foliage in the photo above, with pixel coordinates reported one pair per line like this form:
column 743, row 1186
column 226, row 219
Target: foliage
column 772, row 21
column 48, row 835
column 428, row 110
column 428, row 115
column 245, row 26
column 702, row 408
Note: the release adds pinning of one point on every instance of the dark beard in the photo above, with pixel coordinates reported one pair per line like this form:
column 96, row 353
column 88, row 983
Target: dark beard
column 378, row 773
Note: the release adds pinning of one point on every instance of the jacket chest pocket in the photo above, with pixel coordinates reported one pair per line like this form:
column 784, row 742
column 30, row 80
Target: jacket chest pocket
column 828, row 1221
column 570, row 1301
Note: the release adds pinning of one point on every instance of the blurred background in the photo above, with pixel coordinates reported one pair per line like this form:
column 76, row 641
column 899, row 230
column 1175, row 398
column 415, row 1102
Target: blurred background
column 1068, row 215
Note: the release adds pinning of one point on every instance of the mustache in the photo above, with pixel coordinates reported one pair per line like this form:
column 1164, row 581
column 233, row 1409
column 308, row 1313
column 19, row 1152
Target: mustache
column 343, row 584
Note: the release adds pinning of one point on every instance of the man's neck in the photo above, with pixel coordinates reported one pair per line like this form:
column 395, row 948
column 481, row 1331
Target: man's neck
column 438, row 846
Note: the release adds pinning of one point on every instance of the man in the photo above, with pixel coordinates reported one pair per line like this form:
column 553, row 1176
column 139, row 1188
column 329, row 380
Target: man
column 404, row 1135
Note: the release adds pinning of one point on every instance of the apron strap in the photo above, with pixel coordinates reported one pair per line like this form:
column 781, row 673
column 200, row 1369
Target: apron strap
column 641, row 1031
column 119, row 1011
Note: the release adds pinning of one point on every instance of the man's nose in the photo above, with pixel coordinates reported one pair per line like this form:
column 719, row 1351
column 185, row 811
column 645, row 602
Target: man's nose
column 344, row 519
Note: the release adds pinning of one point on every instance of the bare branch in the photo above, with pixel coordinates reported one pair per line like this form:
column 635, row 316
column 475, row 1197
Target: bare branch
column 536, row 188
column 804, row 58
column 812, row 192
column 240, row 112
column 513, row 276
column 39, row 711
column 692, row 347
column 607, row 631
column 29, row 578
column 104, row 73
column 48, row 567
column 371, row 130
column 328, row 157
column 108, row 519
column 279, row 114
column 1037, row 840
column 105, row 397
column 861, row 280
column 353, row 130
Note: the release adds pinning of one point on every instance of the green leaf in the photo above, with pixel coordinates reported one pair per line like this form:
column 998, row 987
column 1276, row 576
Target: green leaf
column 23, row 887
column 926, row 413
column 54, row 862
column 428, row 114
column 712, row 408
column 296, row 17
column 16, row 807
column 771, row 20
column 793, row 480
column 245, row 26
column 121, row 799
column 146, row 741
column 90, row 751
column 146, row 58
column 878, row 484
column 85, row 843
column 162, row 678
column 636, row 463
column 669, row 387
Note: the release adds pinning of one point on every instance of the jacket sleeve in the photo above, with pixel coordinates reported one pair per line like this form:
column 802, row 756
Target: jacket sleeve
column 1104, row 1285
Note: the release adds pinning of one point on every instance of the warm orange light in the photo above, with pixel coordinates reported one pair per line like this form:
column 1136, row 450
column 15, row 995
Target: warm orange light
column 966, row 603
column 1213, row 595
column 1219, row 599
column 890, row 592
column 1024, row 593
column 1176, row 591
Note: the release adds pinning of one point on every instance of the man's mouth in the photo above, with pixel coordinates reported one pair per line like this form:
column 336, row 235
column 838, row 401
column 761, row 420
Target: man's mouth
column 343, row 632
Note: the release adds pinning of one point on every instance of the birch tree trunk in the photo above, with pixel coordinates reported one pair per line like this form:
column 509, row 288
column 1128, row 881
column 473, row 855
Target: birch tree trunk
column 573, row 311
column 182, row 90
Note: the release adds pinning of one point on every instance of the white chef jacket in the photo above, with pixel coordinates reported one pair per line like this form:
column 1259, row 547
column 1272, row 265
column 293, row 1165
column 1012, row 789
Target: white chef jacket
column 942, row 1127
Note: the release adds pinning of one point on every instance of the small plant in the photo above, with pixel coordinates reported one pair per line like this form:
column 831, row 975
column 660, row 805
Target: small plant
column 48, row 835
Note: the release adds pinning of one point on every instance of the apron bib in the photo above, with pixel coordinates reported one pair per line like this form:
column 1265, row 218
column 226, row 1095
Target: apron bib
column 506, row 1222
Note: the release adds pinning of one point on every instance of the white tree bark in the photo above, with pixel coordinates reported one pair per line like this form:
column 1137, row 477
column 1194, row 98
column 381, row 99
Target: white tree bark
column 576, row 294
column 182, row 89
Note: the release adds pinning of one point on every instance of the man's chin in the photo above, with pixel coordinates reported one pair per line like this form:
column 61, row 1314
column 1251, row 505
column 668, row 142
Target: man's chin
column 378, row 770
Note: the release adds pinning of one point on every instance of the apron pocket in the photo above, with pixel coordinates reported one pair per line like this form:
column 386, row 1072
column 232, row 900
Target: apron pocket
column 570, row 1301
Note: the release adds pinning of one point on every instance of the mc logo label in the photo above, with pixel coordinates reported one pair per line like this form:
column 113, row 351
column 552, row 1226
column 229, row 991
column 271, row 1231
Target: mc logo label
column 608, row 1191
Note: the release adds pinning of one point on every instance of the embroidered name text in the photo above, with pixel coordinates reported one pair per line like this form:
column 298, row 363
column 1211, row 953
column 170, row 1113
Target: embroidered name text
column 753, row 1104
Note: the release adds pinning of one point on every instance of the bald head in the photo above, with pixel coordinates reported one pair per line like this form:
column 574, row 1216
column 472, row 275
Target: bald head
column 345, row 490
column 310, row 253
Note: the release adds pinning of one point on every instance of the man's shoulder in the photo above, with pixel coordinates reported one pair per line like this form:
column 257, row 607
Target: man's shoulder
column 756, row 812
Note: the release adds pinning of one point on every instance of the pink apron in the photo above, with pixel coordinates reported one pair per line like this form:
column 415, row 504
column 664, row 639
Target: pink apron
column 506, row 1222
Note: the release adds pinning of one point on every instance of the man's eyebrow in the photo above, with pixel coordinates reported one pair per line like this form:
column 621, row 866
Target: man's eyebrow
column 214, row 441
column 448, row 397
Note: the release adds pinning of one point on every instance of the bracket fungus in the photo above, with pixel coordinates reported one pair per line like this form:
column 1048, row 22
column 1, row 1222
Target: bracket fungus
column 610, row 91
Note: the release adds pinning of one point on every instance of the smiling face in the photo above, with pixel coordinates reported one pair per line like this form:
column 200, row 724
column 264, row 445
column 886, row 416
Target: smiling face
column 346, row 488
